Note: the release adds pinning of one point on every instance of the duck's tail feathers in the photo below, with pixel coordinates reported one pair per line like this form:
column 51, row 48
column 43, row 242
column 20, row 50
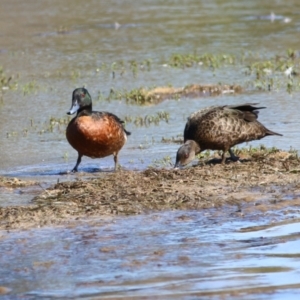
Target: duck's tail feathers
column 246, row 107
column 127, row 132
column 249, row 110
column 269, row 132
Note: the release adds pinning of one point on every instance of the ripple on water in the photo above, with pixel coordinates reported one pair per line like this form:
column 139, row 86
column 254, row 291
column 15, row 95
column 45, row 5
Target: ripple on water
column 173, row 254
column 170, row 255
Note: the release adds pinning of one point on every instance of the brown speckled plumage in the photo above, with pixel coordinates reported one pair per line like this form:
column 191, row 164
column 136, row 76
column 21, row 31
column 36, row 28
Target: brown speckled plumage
column 220, row 128
column 91, row 133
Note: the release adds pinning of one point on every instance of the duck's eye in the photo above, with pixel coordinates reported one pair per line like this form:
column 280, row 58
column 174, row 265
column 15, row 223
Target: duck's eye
column 82, row 95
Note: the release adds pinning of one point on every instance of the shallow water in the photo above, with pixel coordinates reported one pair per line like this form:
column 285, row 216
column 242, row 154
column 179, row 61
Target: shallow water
column 178, row 255
column 52, row 47
column 57, row 47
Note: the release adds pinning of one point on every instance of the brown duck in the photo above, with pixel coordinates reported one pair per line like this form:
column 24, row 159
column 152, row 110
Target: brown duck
column 220, row 128
column 93, row 133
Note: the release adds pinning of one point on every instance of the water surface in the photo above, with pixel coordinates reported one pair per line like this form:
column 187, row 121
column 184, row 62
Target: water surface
column 166, row 255
column 53, row 47
column 59, row 46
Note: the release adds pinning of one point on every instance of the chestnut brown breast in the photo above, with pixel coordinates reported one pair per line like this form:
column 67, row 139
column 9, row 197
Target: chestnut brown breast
column 96, row 135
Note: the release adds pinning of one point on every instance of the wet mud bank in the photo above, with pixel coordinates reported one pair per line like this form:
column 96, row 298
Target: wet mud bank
column 261, row 181
column 156, row 95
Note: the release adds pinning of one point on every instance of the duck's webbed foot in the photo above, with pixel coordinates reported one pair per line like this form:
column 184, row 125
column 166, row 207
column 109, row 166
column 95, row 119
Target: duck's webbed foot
column 232, row 156
column 75, row 169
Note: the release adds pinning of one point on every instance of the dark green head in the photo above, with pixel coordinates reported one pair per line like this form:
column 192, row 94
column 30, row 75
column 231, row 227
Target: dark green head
column 81, row 100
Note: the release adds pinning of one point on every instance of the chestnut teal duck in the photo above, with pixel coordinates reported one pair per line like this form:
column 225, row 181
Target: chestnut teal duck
column 93, row 133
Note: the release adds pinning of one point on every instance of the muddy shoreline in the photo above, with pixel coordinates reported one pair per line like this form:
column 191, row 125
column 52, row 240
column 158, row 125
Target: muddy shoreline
column 262, row 181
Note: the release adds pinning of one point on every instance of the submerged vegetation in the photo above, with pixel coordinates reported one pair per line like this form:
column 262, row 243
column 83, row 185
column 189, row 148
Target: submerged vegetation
column 6, row 82
column 30, row 87
column 148, row 119
column 275, row 73
column 145, row 96
column 260, row 73
column 207, row 60
column 58, row 125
